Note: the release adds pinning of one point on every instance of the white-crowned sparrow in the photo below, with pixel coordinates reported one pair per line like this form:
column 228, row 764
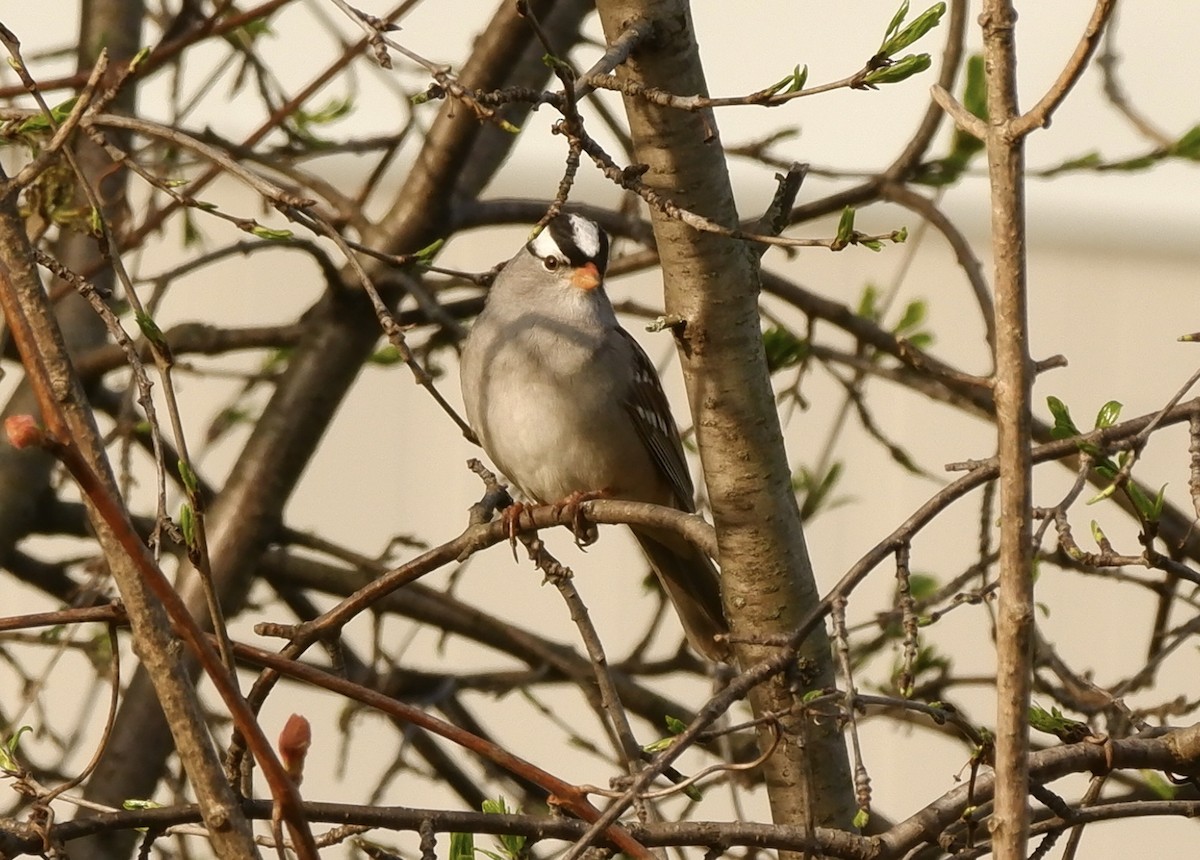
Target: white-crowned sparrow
column 564, row 401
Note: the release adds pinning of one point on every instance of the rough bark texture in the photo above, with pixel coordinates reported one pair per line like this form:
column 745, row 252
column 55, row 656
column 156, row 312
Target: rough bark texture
column 1013, row 382
column 713, row 283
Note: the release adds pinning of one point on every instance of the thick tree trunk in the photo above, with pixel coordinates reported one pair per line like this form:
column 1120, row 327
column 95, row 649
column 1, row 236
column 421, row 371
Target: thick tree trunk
column 713, row 283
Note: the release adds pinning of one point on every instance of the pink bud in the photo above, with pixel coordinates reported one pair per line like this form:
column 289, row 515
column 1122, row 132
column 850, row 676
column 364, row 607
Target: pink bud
column 24, row 432
column 294, row 741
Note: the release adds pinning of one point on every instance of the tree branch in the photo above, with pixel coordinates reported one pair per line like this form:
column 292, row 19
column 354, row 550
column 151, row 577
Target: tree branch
column 1012, row 387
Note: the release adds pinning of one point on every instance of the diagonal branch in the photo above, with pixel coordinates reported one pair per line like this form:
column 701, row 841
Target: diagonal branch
column 73, row 431
column 1039, row 115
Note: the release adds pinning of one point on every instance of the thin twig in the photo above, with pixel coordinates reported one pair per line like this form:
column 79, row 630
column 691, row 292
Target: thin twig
column 1040, row 114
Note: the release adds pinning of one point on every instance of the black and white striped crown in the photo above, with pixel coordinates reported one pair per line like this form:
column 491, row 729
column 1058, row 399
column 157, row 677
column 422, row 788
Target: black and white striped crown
column 577, row 239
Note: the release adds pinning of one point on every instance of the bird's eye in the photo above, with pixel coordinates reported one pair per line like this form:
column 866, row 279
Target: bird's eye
column 551, row 263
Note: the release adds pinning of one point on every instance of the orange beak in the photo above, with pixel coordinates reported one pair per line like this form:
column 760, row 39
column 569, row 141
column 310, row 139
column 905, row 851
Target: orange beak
column 586, row 277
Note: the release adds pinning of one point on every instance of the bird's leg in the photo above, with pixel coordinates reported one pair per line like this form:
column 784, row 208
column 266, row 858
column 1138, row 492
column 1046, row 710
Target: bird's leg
column 584, row 531
column 511, row 516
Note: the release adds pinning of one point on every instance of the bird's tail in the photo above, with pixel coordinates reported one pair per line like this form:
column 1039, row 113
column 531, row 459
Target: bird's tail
column 694, row 588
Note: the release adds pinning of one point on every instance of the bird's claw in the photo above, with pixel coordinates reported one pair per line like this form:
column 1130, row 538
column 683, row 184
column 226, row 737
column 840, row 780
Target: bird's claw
column 585, row 532
column 511, row 517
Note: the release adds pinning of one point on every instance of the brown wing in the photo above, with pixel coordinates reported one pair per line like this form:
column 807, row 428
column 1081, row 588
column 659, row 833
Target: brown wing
column 651, row 413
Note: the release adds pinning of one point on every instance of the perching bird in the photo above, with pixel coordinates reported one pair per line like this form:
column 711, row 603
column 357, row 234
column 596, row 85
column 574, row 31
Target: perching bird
column 565, row 402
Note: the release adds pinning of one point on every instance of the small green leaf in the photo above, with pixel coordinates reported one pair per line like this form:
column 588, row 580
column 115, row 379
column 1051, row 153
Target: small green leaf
column 40, row 123
column 138, row 59
column 385, row 356
column 1087, row 161
column 922, row 585
column 783, row 349
column 861, row 818
column 921, row 340
column 187, row 524
column 8, row 752
column 52, row 635
column 1188, row 146
column 872, row 244
column 921, row 25
column 1149, row 510
column 100, row 653
column 896, row 21
column 191, row 233
column 675, row 726
column 868, row 303
column 1155, row 782
column 495, row 807
column 792, row 83
column 512, row 847
column 974, row 97
column 188, row 477
column 845, row 230
column 276, row 360
column 1157, row 508
column 424, row 257
column 134, row 804
column 331, row 111
column 231, row 415
column 1053, row 722
column 150, row 329
column 1102, row 495
column 1039, row 718
column 777, row 87
column 901, row 70
column 1132, row 165
column 929, row 660
column 462, row 846
column 1063, row 425
column 913, row 316
column 554, row 63
column 1108, row 414
column 268, row 233
column 1105, row 467
column 1098, row 533
column 256, row 27
column 816, row 488
column 799, row 79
